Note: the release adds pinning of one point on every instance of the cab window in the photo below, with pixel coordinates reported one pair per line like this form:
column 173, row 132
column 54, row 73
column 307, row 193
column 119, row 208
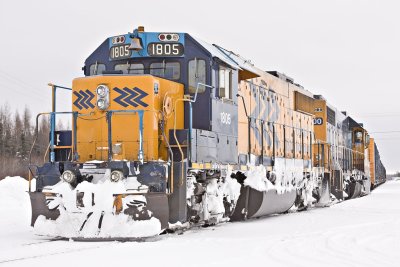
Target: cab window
column 134, row 68
column 225, row 83
column 358, row 137
column 96, row 69
column 169, row 70
column 197, row 74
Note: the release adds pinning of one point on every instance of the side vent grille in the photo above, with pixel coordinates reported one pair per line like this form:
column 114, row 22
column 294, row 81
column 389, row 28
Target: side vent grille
column 331, row 115
column 303, row 103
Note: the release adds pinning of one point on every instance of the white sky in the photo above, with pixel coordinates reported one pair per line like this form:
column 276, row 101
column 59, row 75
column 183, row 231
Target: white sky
column 346, row 50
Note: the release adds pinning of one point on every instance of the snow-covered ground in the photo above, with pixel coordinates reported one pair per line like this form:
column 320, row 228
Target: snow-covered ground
column 360, row 232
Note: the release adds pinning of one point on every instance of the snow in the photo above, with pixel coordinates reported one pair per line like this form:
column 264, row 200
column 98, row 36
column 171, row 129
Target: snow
column 95, row 161
column 212, row 208
column 257, row 179
column 359, row 232
column 231, row 189
column 69, row 223
column 288, row 172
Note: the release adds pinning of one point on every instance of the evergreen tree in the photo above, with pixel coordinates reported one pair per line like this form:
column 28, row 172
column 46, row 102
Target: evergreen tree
column 26, row 137
column 18, row 134
column 16, row 139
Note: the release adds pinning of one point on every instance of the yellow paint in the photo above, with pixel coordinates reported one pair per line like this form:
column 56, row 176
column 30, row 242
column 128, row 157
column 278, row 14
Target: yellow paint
column 320, row 130
column 118, row 204
column 371, row 155
column 196, row 165
column 92, row 134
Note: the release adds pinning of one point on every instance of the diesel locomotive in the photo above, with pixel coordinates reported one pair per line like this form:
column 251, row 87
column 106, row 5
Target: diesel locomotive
column 175, row 129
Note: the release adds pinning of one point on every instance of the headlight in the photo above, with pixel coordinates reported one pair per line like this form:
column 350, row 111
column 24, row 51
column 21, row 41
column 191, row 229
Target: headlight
column 68, row 177
column 101, row 104
column 103, row 95
column 116, row 176
column 102, row 90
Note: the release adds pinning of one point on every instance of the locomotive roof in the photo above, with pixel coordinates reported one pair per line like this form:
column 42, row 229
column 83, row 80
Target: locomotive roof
column 232, row 59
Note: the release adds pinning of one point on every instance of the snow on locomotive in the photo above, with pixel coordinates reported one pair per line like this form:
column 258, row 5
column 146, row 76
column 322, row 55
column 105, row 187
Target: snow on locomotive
column 169, row 129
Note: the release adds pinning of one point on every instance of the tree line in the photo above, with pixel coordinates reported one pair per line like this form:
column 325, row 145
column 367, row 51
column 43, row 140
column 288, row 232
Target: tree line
column 17, row 133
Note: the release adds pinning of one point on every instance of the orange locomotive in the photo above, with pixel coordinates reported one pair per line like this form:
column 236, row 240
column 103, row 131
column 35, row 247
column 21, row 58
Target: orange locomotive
column 168, row 128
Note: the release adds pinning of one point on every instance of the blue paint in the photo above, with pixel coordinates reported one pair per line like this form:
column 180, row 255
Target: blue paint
column 53, row 117
column 146, row 38
column 52, row 129
column 89, row 100
column 130, row 97
column 191, row 126
column 109, row 130
column 76, row 102
column 120, row 98
column 142, row 94
column 84, row 99
column 141, row 154
column 75, row 117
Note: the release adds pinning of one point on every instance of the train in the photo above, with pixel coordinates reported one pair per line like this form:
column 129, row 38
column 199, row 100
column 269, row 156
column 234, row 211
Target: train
column 170, row 130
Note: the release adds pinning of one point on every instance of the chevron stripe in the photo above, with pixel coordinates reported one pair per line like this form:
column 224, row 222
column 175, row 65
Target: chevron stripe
column 131, row 97
column 76, row 102
column 139, row 98
column 85, row 98
column 120, row 99
column 91, row 96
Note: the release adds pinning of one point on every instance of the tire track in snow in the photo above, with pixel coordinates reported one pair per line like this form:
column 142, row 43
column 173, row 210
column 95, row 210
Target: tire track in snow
column 336, row 243
column 65, row 251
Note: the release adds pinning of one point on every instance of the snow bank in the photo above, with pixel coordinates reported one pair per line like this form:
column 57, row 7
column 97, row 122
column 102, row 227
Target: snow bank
column 15, row 213
column 14, row 202
column 359, row 232
column 116, row 226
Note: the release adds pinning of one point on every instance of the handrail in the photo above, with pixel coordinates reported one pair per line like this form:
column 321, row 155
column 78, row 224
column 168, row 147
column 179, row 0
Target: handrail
column 53, row 103
column 172, row 159
column 45, row 153
column 51, row 144
column 187, row 99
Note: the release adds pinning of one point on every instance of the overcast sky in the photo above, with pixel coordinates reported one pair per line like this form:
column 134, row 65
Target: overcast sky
column 346, row 50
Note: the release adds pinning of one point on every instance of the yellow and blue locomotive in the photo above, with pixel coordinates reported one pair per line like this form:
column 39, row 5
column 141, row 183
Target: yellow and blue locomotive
column 167, row 128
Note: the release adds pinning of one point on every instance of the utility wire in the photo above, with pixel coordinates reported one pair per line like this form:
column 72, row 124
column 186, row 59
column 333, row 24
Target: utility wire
column 387, row 114
column 21, row 82
column 384, row 132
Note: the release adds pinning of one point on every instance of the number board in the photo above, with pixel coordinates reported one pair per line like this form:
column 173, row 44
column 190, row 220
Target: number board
column 120, row 52
column 318, row 121
column 165, row 49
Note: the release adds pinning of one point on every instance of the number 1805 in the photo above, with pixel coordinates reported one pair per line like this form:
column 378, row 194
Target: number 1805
column 165, row 49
